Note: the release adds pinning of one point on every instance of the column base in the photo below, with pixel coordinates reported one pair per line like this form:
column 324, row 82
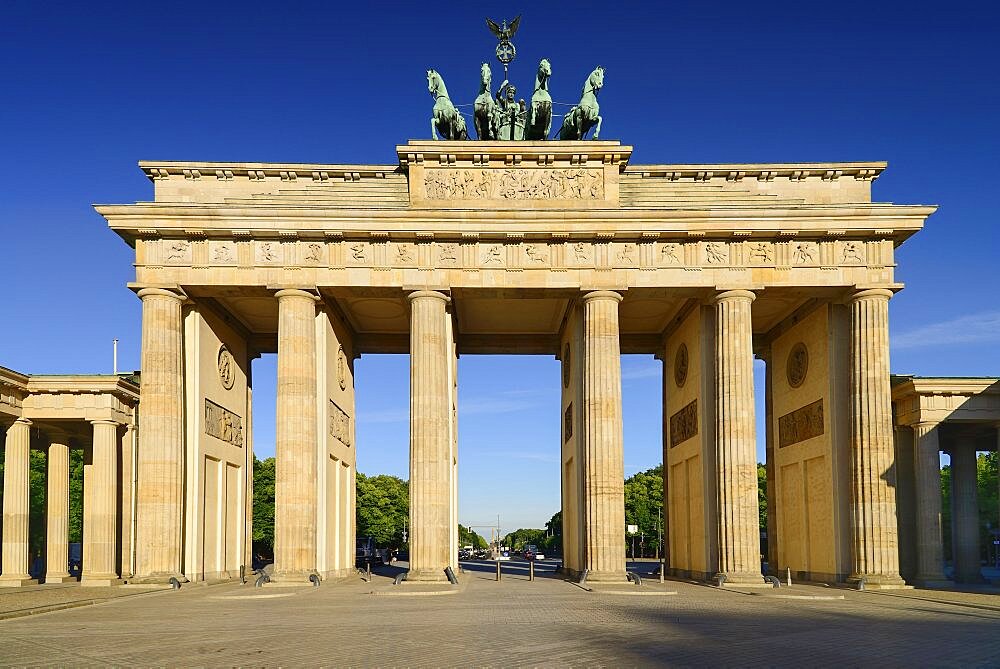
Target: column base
column 59, row 578
column 17, row 581
column 607, row 577
column 427, row 576
column 742, row 579
column 290, row 578
column 100, row 580
column 879, row 581
column 158, row 578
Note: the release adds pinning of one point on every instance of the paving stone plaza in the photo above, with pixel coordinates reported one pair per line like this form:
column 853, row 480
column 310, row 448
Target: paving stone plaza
column 547, row 622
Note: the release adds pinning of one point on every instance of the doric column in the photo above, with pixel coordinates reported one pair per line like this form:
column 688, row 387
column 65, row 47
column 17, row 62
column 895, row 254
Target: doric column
column 430, row 437
column 160, row 461
column 57, row 512
column 603, row 443
column 15, row 505
column 126, row 491
column 873, row 498
column 100, row 507
column 295, row 492
column 927, row 469
column 965, row 514
column 735, row 440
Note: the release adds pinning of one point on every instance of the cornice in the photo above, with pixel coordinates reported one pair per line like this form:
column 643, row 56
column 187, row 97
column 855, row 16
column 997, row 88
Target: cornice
column 194, row 170
column 864, row 171
column 880, row 221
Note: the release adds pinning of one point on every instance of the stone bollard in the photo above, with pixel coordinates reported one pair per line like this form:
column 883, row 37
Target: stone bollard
column 531, row 570
column 498, row 570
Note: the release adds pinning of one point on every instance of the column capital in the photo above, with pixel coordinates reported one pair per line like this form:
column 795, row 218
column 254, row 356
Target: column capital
column 105, row 421
column 925, row 425
column 21, row 420
column 160, row 292
column 872, row 294
column 735, row 295
column 296, row 292
column 602, row 295
column 431, row 294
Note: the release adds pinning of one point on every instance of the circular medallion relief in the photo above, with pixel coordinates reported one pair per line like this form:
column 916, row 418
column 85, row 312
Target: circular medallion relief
column 797, row 365
column 681, row 366
column 565, row 365
column 342, row 368
column 227, row 368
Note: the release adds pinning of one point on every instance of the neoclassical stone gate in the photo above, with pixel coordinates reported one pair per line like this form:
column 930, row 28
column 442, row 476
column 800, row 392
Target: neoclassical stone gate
column 558, row 248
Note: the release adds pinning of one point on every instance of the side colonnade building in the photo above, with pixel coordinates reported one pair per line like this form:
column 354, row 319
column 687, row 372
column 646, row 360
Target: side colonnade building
column 557, row 248
column 54, row 414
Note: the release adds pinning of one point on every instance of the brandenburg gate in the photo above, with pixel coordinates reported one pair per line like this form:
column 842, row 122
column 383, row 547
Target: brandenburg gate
column 561, row 248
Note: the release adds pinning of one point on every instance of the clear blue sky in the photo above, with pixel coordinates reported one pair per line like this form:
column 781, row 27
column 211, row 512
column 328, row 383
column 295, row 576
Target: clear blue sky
column 90, row 88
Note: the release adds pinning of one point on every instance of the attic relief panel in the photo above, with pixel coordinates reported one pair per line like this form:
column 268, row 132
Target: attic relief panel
column 514, row 184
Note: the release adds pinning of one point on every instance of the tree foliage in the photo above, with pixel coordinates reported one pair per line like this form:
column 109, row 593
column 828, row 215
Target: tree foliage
column 467, row 537
column 644, row 506
column 519, row 539
column 263, row 505
column 383, row 508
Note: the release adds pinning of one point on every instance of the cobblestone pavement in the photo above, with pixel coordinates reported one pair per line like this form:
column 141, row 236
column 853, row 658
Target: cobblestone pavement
column 548, row 622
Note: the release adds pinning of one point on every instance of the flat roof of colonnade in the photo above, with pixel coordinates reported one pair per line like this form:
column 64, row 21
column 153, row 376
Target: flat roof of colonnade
column 515, row 231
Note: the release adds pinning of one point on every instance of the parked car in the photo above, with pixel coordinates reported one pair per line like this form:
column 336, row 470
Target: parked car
column 532, row 553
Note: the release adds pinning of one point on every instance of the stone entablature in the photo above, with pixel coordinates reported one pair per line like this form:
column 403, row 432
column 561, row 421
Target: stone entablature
column 84, row 397
column 539, row 214
column 938, row 399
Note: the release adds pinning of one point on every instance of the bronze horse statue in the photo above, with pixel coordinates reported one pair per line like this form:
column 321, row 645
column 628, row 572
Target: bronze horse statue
column 540, row 112
column 446, row 119
column 585, row 115
column 484, row 109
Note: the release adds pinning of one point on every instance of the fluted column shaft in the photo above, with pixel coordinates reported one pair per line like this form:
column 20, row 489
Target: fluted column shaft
column 965, row 514
column 430, row 437
column 295, row 493
column 160, row 460
column 876, row 540
column 927, row 469
column 14, row 563
column 57, row 513
column 603, row 442
column 735, row 439
column 100, row 507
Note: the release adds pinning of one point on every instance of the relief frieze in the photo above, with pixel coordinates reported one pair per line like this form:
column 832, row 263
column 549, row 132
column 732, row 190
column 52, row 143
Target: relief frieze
column 514, row 184
column 223, row 424
column 340, row 425
column 684, row 424
column 801, row 424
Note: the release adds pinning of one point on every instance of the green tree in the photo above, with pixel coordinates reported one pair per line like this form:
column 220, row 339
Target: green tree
column 263, row 505
column 519, row 539
column 383, row 508
column 643, row 506
column 762, row 495
column 467, row 537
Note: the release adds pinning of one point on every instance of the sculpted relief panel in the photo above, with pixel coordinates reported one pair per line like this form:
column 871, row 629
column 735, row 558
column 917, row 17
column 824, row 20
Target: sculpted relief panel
column 340, row 424
column 223, row 424
column 514, row 184
column 801, row 424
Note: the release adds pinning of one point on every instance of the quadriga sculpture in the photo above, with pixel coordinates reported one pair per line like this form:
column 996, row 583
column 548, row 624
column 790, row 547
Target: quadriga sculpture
column 585, row 115
column 484, row 109
column 446, row 119
column 540, row 113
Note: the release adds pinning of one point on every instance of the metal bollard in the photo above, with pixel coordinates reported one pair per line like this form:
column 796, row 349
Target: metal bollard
column 531, row 570
column 788, row 576
column 368, row 564
column 663, row 565
column 498, row 570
